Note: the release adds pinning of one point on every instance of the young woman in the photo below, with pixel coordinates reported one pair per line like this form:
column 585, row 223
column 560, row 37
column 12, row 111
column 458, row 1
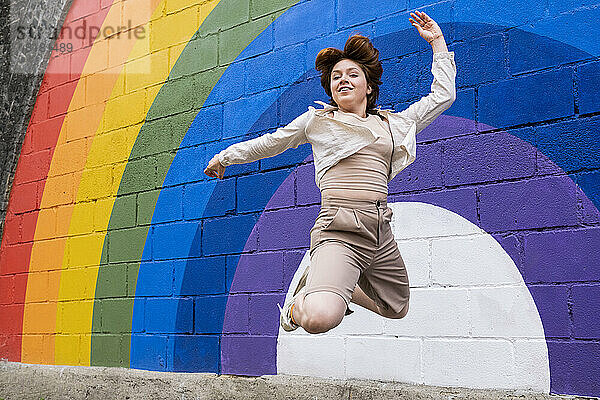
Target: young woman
column 357, row 150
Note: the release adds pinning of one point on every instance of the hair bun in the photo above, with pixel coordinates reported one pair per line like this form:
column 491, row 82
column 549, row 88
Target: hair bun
column 327, row 58
column 359, row 47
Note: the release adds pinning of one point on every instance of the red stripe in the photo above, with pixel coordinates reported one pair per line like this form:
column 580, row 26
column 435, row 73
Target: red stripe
column 52, row 102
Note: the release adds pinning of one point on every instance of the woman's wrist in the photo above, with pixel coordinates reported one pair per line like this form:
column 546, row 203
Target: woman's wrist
column 439, row 35
column 438, row 43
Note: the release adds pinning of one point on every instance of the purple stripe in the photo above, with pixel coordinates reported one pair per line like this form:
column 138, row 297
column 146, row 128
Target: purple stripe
column 504, row 196
column 249, row 342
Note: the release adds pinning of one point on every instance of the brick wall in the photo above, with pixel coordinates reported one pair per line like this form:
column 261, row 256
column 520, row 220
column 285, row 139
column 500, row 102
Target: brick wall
column 118, row 250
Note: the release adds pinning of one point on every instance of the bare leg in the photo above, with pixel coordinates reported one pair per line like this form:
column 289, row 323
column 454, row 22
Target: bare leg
column 318, row 312
column 360, row 297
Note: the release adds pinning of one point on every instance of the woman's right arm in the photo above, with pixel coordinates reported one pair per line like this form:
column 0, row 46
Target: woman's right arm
column 443, row 68
column 442, row 94
column 268, row 145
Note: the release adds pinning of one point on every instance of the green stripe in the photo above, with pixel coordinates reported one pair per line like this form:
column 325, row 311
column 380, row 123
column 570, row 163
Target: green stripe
column 173, row 110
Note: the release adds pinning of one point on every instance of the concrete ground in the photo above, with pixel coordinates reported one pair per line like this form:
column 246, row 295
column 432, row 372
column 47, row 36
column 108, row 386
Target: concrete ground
column 20, row 381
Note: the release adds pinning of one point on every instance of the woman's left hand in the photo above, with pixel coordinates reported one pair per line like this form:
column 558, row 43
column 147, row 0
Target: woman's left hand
column 427, row 27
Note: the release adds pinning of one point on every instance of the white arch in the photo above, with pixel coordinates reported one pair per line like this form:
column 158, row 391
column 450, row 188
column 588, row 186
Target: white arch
column 472, row 321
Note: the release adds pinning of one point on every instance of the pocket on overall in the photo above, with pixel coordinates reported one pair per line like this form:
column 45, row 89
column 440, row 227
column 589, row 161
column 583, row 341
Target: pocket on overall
column 344, row 219
column 387, row 214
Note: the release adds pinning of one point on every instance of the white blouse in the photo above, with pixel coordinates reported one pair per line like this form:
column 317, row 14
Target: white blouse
column 332, row 139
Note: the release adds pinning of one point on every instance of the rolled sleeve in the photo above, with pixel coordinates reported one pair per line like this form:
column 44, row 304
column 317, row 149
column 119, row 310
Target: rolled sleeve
column 268, row 145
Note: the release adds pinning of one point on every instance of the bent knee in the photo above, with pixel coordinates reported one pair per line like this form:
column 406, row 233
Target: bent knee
column 319, row 321
column 323, row 311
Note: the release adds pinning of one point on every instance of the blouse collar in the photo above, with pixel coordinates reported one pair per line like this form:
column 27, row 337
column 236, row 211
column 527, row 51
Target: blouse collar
column 329, row 107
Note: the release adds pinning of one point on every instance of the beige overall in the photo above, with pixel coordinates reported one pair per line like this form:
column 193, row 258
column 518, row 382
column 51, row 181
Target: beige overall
column 351, row 241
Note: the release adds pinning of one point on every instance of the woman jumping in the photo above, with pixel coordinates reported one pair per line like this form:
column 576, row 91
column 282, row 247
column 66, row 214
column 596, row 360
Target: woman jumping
column 357, row 149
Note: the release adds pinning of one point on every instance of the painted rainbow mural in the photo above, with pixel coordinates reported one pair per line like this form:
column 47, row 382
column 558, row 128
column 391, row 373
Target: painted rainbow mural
column 119, row 251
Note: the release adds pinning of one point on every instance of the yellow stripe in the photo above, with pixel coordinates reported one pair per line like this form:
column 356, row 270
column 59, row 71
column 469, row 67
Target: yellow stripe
column 103, row 172
column 99, row 79
column 47, row 253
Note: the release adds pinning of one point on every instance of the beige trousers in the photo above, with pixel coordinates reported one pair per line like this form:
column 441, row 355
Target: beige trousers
column 352, row 243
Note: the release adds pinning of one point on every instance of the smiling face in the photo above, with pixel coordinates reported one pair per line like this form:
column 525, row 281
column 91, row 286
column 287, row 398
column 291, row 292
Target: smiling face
column 349, row 87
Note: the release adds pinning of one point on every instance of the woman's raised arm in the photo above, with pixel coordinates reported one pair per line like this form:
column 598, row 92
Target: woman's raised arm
column 443, row 68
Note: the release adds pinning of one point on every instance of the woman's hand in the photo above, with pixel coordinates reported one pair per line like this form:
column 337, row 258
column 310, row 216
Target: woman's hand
column 428, row 28
column 214, row 168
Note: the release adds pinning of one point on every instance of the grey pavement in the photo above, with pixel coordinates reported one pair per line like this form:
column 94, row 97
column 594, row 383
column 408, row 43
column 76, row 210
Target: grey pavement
column 19, row 381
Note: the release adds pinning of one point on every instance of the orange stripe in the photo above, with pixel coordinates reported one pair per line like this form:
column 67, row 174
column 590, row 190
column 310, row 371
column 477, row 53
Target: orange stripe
column 99, row 77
